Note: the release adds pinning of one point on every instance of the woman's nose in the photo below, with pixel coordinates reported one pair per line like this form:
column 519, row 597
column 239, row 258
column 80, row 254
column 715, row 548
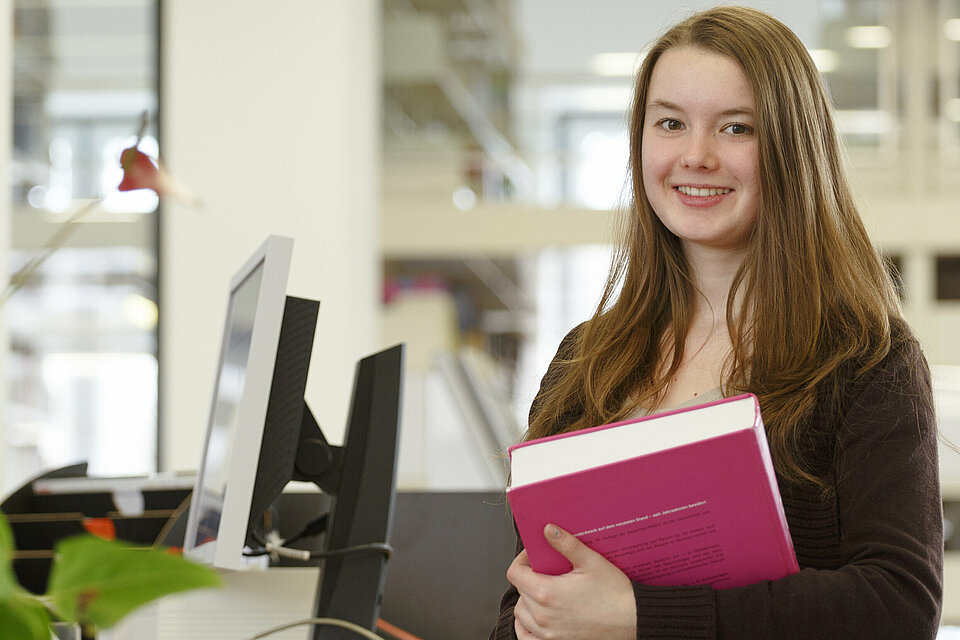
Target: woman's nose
column 699, row 152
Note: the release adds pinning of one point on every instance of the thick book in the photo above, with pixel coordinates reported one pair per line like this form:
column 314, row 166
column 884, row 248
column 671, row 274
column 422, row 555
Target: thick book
column 686, row 497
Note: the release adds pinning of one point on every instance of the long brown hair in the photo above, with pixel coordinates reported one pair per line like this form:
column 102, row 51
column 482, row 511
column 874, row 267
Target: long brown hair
column 811, row 296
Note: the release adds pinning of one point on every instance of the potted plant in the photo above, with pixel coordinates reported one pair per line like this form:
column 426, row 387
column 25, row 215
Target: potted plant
column 94, row 582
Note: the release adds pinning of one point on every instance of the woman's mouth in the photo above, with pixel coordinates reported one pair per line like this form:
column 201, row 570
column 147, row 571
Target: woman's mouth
column 701, row 196
column 701, row 192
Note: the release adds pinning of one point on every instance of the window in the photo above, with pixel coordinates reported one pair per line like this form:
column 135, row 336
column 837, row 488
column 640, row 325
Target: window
column 82, row 368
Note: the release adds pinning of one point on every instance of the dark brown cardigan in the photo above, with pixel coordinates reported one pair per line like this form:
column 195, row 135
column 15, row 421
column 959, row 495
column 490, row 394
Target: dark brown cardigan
column 870, row 550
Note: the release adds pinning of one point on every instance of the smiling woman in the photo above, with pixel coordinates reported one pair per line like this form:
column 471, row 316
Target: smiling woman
column 746, row 268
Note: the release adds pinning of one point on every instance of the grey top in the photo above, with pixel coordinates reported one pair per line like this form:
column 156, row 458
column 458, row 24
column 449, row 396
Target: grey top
column 707, row 396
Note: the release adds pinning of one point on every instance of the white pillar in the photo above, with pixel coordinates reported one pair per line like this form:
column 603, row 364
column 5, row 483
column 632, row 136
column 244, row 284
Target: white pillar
column 6, row 209
column 270, row 112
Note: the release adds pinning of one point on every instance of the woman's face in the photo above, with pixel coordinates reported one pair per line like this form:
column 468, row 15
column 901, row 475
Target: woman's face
column 699, row 149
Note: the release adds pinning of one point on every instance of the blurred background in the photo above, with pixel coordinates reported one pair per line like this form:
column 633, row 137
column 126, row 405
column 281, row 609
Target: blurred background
column 448, row 169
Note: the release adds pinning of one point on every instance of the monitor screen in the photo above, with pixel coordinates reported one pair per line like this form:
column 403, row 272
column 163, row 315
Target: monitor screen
column 229, row 389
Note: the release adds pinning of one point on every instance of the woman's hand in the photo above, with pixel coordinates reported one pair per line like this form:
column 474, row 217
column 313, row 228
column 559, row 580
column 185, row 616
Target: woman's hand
column 594, row 600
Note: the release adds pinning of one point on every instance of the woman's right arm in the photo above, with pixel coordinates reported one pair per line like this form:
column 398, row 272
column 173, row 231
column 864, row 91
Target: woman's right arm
column 504, row 629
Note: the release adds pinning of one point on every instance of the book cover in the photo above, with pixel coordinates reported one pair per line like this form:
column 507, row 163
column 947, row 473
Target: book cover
column 687, row 497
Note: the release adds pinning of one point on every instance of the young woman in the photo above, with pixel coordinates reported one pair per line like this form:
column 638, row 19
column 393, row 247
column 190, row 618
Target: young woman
column 746, row 268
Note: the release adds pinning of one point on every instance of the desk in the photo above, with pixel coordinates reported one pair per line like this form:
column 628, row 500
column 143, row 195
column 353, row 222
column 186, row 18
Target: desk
column 250, row 602
column 452, row 550
column 444, row 582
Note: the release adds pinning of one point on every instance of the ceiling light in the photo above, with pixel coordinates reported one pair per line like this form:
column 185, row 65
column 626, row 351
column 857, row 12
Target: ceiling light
column 952, row 110
column 140, row 312
column 826, row 60
column 464, row 198
column 951, row 29
column 869, row 37
column 616, row 64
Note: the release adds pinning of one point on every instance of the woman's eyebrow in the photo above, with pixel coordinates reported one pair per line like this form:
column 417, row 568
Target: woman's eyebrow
column 666, row 105
column 737, row 111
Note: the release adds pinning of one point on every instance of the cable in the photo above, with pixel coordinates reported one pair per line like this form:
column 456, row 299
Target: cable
column 383, row 548
column 314, row 528
column 275, row 546
column 395, row 631
column 328, row 622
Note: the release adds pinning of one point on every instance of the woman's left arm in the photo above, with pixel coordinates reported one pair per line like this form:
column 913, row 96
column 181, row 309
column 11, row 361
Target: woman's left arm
column 890, row 517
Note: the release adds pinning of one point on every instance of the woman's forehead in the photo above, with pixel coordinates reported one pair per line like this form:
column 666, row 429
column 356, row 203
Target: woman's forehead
column 688, row 79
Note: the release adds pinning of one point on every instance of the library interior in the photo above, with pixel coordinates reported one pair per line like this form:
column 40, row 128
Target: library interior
column 371, row 222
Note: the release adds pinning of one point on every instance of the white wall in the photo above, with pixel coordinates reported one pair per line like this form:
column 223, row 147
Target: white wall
column 271, row 113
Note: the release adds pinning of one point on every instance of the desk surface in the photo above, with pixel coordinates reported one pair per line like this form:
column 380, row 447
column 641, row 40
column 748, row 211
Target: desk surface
column 444, row 581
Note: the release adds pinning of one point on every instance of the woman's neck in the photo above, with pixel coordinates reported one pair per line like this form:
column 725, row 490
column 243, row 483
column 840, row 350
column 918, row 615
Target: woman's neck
column 707, row 344
column 713, row 271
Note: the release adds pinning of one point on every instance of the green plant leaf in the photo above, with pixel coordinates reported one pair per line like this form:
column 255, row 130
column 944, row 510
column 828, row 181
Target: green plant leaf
column 6, row 538
column 98, row 582
column 23, row 618
column 8, row 580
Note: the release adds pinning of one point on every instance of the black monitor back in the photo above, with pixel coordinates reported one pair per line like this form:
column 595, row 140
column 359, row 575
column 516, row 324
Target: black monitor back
column 285, row 409
column 351, row 586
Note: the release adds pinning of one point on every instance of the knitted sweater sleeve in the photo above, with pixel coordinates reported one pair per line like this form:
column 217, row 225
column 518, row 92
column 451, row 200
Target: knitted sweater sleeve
column 890, row 524
column 888, row 583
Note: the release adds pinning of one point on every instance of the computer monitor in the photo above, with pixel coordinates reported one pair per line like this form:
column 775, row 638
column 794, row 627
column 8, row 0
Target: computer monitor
column 261, row 434
column 257, row 408
column 351, row 585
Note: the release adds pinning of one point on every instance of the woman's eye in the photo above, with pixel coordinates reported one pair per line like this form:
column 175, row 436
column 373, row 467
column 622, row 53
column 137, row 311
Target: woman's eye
column 669, row 124
column 738, row 129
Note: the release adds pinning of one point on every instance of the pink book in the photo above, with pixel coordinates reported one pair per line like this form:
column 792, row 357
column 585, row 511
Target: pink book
column 687, row 497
